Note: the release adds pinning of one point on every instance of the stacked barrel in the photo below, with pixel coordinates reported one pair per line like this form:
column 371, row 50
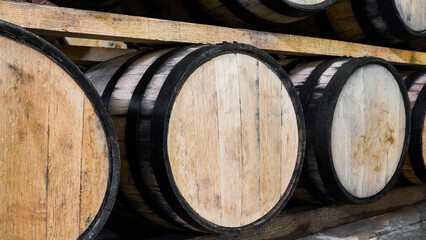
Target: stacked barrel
column 414, row 169
column 358, row 122
column 212, row 136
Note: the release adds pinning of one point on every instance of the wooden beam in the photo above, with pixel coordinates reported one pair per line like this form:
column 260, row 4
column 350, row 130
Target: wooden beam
column 91, row 55
column 56, row 21
column 298, row 222
column 405, row 223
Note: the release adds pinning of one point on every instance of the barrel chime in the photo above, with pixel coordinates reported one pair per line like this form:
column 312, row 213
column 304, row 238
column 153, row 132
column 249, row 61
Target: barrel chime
column 414, row 169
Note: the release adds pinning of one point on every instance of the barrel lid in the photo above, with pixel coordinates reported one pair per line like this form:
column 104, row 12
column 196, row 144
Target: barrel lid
column 324, row 126
column 27, row 38
column 161, row 118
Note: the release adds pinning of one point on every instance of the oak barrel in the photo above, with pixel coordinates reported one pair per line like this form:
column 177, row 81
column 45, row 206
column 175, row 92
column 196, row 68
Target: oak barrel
column 101, row 5
column 381, row 21
column 212, row 136
column 59, row 167
column 414, row 169
column 357, row 121
column 259, row 14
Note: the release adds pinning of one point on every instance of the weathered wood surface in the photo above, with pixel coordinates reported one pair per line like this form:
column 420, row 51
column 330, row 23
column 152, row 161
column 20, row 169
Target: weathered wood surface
column 303, row 221
column 54, row 166
column 413, row 13
column 227, row 117
column 233, row 152
column 48, row 20
column 406, row 223
column 365, row 132
column 368, row 132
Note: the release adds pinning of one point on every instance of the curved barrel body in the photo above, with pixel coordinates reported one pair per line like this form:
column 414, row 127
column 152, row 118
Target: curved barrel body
column 357, row 120
column 212, row 136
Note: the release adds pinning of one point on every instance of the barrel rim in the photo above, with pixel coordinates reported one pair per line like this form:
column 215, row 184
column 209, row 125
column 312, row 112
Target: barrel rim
column 305, row 96
column 417, row 34
column 323, row 126
column 293, row 9
column 159, row 131
column 418, row 117
column 29, row 39
column 132, row 144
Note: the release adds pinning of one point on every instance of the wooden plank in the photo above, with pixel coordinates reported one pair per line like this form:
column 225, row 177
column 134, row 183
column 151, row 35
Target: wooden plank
column 24, row 101
column 65, row 145
column 270, row 138
column 94, row 167
column 229, row 121
column 55, row 21
column 91, row 55
column 249, row 98
column 303, row 221
column 406, row 223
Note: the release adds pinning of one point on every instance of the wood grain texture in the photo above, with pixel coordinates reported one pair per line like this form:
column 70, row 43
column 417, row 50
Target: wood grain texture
column 298, row 222
column 368, row 131
column 232, row 146
column 413, row 13
column 58, row 21
column 54, row 169
column 344, row 23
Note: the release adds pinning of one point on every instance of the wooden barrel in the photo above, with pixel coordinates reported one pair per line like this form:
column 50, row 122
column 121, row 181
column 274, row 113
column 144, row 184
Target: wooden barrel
column 260, row 14
column 101, row 5
column 414, row 169
column 357, row 122
column 212, row 136
column 59, row 167
column 391, row 21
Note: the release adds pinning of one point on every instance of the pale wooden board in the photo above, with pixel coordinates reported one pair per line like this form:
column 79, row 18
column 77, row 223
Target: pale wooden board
column 95, row 154
column 369, row 122
column 230, row 157
column 64, row 160
column 413, row 13
column 50, row 20
column 249, row 95
column 232, row 146
column 24, row 107
column 42, row 157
